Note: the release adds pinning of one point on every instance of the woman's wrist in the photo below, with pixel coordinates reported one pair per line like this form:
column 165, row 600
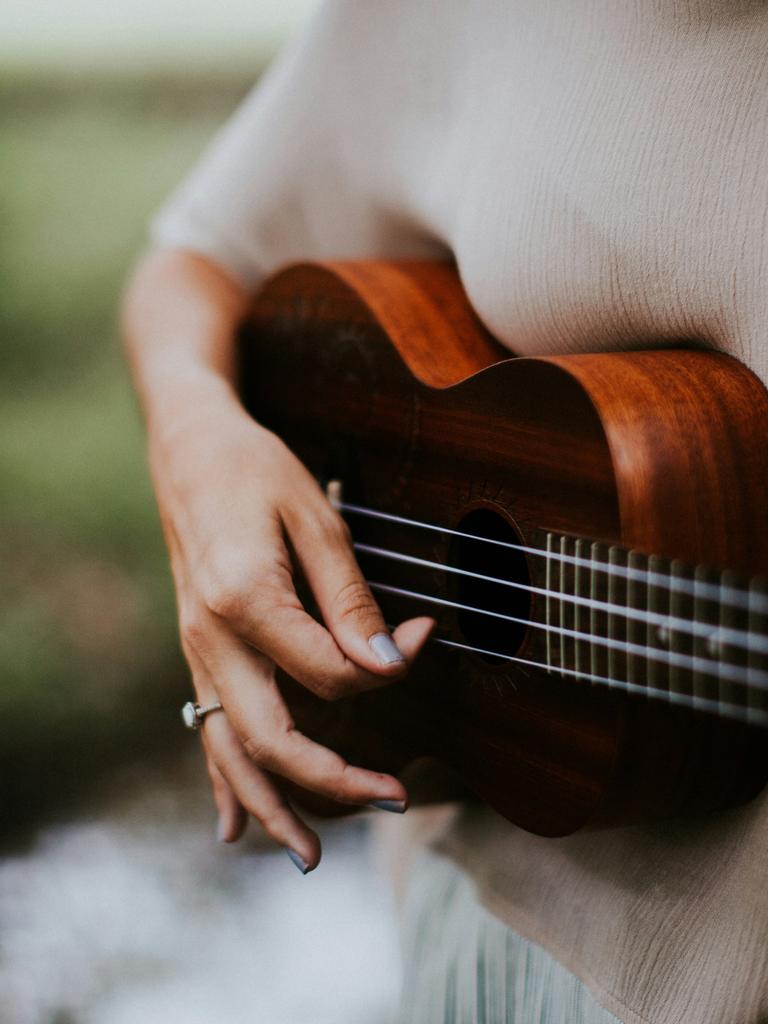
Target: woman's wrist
column 180, row 319
column 204, row 443
column 178, row 403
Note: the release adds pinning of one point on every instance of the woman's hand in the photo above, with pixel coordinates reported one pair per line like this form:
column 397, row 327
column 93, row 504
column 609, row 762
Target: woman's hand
column 235, row 502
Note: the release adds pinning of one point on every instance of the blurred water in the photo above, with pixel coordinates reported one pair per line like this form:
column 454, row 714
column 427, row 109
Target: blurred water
column 138, row 915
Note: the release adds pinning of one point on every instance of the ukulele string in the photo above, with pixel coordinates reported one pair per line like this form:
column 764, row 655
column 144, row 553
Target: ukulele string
column 722, row 593
column 756, row 678
column 751, row 642
column 755, row 716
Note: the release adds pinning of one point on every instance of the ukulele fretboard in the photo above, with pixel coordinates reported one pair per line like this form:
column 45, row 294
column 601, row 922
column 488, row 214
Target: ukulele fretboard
column 692, row 636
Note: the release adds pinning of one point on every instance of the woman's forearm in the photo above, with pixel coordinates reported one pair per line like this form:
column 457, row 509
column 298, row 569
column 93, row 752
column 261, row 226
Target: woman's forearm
column 180, row 317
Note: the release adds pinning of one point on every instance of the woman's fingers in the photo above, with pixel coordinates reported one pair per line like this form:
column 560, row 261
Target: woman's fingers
column 245, row 682
column 232, row 815
column 262, row 607
column 256, row 709
column 289, row 753
column 240, row 788
column 258, row 794
column 259, row 602
column 412, row 634
column 344, row 598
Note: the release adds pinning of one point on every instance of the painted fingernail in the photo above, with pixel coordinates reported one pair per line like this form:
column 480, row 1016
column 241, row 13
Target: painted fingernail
column 221, row 831
column 395, row 806
column 385, row 649
column 300, row 863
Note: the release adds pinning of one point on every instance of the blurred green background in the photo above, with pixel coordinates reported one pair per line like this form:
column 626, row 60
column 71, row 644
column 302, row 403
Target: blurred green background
column 90, row 675
column 88, row 653
column 117, row 904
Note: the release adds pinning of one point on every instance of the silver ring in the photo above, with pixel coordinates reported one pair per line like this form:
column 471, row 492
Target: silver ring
column 192, row 714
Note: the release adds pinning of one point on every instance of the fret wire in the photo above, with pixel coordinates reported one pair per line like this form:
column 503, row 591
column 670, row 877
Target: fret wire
column 581, row 579
column 637, row 597
column 709, row 611
column 658, row 602
column 695, row 664
column 730, row 618
column 736, row 638
column 681, row 642
column 617, row 621
column 755, row 716
column 567, row 616
column 549, row 605
column 736, row 595
column 598, row 620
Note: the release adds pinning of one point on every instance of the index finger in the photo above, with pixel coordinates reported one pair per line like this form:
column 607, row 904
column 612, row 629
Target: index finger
column 267, row 612
column 246, row 684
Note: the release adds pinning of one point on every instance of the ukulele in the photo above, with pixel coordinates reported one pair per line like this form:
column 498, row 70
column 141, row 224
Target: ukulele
column 587, row 530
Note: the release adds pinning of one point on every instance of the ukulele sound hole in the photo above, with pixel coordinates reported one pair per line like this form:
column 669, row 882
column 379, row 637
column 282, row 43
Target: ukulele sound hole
column 500, row 561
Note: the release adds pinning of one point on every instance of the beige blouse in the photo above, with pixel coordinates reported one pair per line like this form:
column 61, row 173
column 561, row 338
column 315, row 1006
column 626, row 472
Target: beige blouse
column 598, row 170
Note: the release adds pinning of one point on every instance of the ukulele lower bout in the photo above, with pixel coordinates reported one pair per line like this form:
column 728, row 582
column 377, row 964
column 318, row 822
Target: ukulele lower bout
column 546, row 513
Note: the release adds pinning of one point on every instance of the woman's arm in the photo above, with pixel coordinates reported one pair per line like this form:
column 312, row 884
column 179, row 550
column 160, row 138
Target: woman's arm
column 231, row 496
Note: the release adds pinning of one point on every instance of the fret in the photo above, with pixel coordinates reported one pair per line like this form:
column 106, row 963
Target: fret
column 705, row 684
column 582, row 589
column 731, row 617
column 567, row 608
column 680, row 641
column 617, row 623
column 598, row 619
column 757, row 699
column 551, row 604
column 644, row 653
column 637, row 597
column 657, row 638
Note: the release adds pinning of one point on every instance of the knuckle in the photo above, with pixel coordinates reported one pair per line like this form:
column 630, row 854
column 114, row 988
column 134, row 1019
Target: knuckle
column 331, row 688
column 326, row 686
column 223, row 590
column 225, row 593
column 228, row 590
column 226, row 602
column 331, row 530
column 354, row 601
column 193, row 633
column 338, row 789
column 259, row 750
column 339, row 532
column 234, row 587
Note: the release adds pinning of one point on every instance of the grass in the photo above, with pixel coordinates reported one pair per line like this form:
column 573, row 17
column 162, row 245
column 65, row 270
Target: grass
column 89, row 669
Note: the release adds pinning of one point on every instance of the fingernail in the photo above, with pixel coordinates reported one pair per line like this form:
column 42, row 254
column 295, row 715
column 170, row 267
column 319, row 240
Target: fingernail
column 395, row 806
column 221, row 831
column 385, row 649
column 300, row 863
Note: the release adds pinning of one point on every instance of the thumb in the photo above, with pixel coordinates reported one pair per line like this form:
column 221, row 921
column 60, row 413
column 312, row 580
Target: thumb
column 350, row 610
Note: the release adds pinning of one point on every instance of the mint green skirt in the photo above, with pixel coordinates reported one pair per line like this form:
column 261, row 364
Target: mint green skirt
column 463, row 966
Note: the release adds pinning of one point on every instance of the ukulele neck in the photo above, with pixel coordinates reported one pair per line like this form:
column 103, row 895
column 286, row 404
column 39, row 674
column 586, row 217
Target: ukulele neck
column 654, row 626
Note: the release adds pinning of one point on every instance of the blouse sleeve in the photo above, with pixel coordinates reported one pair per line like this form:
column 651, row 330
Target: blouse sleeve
column 303, row 169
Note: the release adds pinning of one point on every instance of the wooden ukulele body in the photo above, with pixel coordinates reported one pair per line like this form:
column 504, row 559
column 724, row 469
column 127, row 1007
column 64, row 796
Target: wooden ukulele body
column 380, row 375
